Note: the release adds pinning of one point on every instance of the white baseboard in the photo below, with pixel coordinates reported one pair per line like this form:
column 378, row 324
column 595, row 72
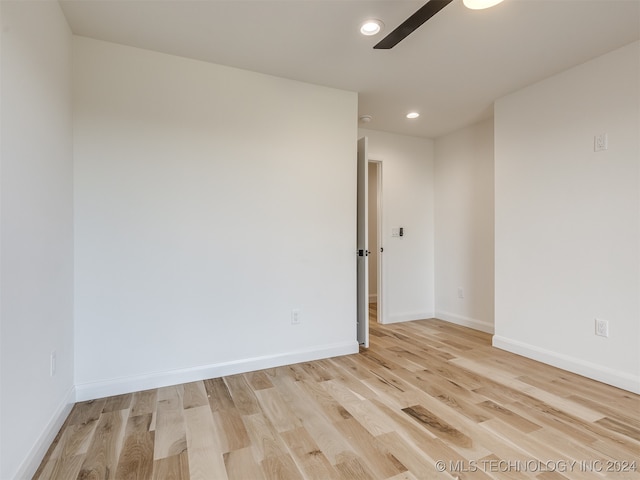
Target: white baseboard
column 117, row 386
column 408, row 317
column 482, row 325
column 33, row 459
column 602, row 374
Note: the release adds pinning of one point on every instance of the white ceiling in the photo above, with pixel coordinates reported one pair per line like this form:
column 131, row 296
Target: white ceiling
column 450, row 70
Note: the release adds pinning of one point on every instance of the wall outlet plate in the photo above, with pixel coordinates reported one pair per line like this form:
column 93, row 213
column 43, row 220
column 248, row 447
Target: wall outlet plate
column 295, row 317
column 600, row 142
column 602, row 327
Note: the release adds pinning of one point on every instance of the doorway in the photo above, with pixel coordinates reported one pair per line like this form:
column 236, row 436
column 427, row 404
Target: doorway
column 375, row 240
column 363, row 304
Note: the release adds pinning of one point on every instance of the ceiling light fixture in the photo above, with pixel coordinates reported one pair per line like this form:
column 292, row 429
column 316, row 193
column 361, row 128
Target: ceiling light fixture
column 413, row 115
column 371, row 27
column 365, row 118
column 480, row 4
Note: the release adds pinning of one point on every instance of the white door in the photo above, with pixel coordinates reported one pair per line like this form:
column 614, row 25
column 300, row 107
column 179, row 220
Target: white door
column 363, row 244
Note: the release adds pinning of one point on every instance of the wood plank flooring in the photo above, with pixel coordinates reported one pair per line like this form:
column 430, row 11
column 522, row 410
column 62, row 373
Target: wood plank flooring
column 427, row 400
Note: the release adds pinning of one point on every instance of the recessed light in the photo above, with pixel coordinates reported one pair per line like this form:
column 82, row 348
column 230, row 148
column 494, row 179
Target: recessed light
column 413, row 115
column 480, row 4
column 371, row 27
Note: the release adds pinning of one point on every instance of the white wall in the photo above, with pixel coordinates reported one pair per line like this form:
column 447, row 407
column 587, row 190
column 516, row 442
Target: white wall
column 464, row 224
column 209, row 203
column 568, row 219
column 407, row 201
column 36, row 251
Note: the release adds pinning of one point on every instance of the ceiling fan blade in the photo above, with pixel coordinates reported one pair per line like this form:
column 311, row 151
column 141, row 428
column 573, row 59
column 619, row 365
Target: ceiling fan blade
column 407, row 27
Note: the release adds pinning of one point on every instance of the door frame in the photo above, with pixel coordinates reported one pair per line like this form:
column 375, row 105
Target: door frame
column 379, row 240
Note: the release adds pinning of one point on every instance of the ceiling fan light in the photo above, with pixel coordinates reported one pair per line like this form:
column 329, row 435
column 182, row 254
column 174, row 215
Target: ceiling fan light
column 371, row 27
column 480, row 4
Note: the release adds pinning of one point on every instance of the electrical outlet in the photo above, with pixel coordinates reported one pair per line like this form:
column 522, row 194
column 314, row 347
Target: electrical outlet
column 295, row 317
column 460, row 292
column 602, row 327
column 600, row 142
column 52, row 364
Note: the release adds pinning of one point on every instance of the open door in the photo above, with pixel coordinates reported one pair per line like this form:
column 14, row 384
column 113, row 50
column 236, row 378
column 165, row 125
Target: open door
column 363, row 243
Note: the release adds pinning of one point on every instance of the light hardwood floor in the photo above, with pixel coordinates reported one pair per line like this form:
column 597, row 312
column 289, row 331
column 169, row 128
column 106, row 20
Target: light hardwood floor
column 427, row 400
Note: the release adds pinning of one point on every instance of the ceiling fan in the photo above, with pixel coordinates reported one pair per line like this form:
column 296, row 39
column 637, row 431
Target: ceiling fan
column 425, row 12
column 407, row 27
